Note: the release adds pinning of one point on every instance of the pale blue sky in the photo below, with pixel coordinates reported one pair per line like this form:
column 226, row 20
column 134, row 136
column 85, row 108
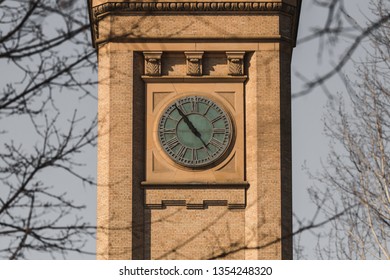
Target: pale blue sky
column 309, row 143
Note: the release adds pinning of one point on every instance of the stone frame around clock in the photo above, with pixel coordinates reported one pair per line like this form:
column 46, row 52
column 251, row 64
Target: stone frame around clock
column 224, row 152
column 228, row 93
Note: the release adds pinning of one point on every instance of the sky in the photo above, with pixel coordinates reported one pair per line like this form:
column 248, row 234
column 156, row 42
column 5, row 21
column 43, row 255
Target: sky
column 310, row 146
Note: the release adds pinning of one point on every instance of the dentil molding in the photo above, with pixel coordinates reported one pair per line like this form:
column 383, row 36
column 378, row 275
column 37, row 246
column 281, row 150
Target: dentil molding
column 188, row 7
column 193, row 7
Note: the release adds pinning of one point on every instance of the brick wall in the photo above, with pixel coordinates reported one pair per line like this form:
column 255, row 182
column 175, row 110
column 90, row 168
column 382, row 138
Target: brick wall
column 127, row 229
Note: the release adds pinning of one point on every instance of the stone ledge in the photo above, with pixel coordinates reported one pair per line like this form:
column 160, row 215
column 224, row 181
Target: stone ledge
column 202, row 185
column 194, row 79
column 195, row 195
column 192, row 7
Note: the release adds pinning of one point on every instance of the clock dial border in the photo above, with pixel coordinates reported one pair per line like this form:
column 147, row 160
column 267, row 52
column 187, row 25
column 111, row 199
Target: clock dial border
column 209, row 146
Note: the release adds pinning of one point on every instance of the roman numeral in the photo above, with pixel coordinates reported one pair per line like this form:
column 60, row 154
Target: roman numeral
column 207, row 109
column 182, row 151
column 207, row 150
column 170, row 130
column 216, row 119
column 219, row 130
column 216, row 143
column 173, row 142
column 170, row 117
column 181, row 108
column 194, row 106
column 194, row 154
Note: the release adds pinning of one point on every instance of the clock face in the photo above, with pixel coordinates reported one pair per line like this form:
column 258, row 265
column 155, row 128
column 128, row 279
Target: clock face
column 194, row 131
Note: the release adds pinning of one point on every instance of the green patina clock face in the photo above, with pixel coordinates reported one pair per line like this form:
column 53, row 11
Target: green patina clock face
column 194, row 131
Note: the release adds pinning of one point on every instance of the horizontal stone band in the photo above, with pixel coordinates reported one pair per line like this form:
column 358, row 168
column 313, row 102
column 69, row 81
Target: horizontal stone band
column 197, row 7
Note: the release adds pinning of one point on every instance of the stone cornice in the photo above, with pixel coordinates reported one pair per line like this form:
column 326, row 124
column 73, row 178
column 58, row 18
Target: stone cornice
column 191, row 7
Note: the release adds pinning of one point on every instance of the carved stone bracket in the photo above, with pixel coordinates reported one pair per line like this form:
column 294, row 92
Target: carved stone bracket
column 153, row 63
column 194, row 63
column 235, row 63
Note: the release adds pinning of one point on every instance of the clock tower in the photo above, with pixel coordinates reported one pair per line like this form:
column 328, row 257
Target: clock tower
column 194, row 148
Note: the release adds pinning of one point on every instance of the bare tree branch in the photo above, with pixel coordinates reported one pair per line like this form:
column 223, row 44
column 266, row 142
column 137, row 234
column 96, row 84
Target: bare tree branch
column 47, row 50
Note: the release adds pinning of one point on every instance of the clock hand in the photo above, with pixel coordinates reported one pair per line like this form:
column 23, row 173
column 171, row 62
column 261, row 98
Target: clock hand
column 188, row 122
column 191, row 126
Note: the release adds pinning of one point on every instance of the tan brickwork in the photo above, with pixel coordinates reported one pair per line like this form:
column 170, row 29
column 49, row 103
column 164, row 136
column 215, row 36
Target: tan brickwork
column 263, row 150
column 179, row 233
column 115, row 154
column 192, row 26
column 245, row 213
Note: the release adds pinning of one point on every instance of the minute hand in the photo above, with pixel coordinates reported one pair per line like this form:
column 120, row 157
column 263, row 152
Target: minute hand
column 191, row 126
column 188, row 122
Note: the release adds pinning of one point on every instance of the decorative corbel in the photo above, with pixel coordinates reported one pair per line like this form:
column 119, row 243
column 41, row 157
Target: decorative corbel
column 194, row 63
column 152, row 63
column 235, row 63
